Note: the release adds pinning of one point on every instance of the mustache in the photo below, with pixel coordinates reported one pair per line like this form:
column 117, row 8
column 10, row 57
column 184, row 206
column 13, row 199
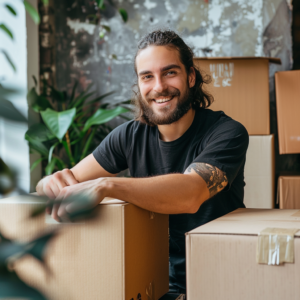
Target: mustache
column 171, row 93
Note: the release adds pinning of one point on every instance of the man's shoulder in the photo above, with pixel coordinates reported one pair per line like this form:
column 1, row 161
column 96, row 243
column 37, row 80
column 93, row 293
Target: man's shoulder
column 130, row 128
column 218, row 121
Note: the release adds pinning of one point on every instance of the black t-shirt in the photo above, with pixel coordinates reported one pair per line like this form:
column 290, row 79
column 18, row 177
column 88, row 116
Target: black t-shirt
column 213, row 138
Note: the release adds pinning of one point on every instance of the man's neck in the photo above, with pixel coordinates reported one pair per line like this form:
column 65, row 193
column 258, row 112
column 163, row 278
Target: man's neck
column 172, row 132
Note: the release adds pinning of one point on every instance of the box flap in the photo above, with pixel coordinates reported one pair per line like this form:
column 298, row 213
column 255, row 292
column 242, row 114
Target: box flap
column 245, row 221
column 273, row 60
column 34, row 199
column 289, row 192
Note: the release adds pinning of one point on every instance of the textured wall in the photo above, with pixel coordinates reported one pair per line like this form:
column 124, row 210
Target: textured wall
column 227, row 28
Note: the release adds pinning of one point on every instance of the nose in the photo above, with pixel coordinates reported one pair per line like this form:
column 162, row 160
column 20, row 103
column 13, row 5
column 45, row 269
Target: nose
column 160, row 85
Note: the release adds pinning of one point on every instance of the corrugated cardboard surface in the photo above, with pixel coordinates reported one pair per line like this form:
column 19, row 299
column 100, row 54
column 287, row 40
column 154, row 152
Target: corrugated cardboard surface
column 240, row 87
column 287, row 86
column 260, row 172
column 289, row 192
column 221, row 258
column 91, row 259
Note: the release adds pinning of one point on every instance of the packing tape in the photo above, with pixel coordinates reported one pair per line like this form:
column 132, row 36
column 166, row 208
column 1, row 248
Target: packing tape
column 275, row 246
column 150, row 291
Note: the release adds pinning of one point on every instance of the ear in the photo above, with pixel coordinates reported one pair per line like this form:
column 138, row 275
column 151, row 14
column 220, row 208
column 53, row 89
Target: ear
column 192, row 77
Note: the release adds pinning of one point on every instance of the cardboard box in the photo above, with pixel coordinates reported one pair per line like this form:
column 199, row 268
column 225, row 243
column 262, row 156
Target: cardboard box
column 221, row 258
column 287, row 86
column 115, row 256
column 240, row 86
column 288, row 194
column 260, row 172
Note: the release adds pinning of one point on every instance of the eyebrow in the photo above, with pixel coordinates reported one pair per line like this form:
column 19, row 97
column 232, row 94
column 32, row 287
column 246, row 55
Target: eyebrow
column 173, row 66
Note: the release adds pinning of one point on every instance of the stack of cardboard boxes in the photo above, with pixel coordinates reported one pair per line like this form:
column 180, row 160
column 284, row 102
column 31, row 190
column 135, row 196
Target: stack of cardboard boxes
column 240, row 86
column 252, row 253
column 287, row 85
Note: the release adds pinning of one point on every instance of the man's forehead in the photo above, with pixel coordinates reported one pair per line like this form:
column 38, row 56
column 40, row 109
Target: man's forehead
column 156, row 58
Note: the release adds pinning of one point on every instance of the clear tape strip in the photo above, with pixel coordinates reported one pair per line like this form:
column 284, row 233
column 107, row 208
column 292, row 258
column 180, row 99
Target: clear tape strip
column 275, row 246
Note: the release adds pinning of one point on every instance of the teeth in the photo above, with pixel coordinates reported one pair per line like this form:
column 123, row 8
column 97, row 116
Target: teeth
column 162, row 100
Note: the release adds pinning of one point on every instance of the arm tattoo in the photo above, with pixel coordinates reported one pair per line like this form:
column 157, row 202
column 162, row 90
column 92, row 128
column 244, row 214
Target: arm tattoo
column 215, row 179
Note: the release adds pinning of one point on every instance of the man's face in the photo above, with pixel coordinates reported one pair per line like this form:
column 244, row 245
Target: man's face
column 163, row 84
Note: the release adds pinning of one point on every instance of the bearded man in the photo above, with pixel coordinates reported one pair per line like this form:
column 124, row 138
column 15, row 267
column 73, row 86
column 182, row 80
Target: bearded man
column 185, row 160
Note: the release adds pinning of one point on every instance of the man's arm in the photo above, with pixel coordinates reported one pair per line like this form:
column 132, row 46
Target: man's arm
column 166, row 194
column 172, row 193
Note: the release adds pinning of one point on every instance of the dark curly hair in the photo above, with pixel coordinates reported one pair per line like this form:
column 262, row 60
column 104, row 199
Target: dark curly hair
column 169, row 38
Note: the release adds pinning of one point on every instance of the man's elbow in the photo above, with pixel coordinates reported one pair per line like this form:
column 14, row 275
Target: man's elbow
column 195, row 203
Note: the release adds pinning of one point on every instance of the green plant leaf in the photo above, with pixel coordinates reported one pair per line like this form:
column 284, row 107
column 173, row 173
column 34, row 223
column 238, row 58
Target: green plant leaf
column 8, row 111
column 50, row 167
column 9, row 59
column 36, row 163
column 98, row 99
column 100, row 3
column 37, row 102
column 45, row 2
column 107, row 28
column 73, row 91
column 32, row 12
column 51, row 151
column 37, row 146
column 65, row 144
column 11, row 9
column 40, row 132
column 58, row 122
column 7, row 178
column 35, row 80
column 57, row 95
column 7, row 31
column 123, row 14
column 102, row 116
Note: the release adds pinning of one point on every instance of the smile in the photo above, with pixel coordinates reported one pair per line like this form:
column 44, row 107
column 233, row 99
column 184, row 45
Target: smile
column 163, row 100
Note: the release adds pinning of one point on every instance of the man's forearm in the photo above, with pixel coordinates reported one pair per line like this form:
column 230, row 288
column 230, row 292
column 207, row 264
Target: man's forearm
column 167, row 194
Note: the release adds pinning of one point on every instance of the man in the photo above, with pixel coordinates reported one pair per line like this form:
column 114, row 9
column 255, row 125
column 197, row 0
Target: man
column 185, row 160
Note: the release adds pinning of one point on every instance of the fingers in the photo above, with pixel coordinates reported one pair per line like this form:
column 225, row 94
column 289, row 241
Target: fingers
column 68, row 177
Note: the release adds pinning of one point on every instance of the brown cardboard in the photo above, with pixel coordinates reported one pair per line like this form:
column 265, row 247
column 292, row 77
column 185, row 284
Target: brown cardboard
column 240, row 86
column 289, row 192
column 260, row 172
column 117, row 255
column 287, row 86
column 221, row 258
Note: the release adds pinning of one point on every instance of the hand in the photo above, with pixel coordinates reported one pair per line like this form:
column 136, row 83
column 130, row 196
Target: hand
column 52, row 185
column 91, row 194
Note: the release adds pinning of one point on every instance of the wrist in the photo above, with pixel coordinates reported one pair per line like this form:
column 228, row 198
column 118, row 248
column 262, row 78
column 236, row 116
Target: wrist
column 105, row 186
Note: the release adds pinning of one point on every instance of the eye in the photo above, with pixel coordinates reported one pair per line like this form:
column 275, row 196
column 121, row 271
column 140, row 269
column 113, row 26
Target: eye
column 146, row 77
column 170, row 73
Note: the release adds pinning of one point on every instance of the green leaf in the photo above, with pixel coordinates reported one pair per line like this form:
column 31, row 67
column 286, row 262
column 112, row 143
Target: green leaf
column 7, row 31
column 7, row 178
column 65, row 144
column 73, row 91
column 45, row 2
column 58, row 122
column 123, row 14
column 40, row 132
column 9, row 59
column 102, row 116
column 8, row 111
column 51, row 151
column 37, row 146
column 32, row 12
column 98, row 99
column 35, row 164
column 107, row 28
column 37, row 102
column 114, row 56
column 100, row 3
column 81, row 100
column 11, row 9
column 50, row 167
column 35, row 80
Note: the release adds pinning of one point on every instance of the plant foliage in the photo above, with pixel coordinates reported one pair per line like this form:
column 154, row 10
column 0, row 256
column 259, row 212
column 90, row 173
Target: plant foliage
column 72, row 126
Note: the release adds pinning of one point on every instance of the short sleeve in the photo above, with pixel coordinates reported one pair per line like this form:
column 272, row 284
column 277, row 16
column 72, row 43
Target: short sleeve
column 111, row 153
column 226, row 148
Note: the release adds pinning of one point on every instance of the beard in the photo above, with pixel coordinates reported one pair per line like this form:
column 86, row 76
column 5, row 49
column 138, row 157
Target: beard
column 166, row 116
